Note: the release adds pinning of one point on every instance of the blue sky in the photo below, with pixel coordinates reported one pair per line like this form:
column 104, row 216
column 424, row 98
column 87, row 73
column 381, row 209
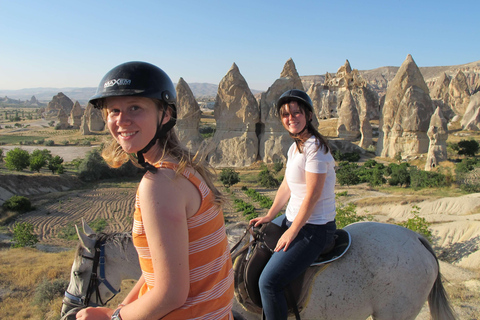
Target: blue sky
column 74, row 43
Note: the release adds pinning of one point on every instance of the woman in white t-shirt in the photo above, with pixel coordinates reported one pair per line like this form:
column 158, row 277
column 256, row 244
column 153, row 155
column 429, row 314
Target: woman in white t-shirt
column 308, row 187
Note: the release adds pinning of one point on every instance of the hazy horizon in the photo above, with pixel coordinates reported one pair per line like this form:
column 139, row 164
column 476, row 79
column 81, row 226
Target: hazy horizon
column 73, row 44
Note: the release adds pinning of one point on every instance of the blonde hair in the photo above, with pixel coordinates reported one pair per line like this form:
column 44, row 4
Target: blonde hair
column 115, row 156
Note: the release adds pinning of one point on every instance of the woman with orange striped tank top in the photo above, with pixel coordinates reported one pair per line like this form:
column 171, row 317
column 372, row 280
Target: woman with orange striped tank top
column 178, row 227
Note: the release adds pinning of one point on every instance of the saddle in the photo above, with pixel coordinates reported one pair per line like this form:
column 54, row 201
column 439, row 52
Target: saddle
column 250, row 260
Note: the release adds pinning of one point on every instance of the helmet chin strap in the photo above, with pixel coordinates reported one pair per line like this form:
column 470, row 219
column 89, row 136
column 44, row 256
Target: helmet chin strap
column 161, row 132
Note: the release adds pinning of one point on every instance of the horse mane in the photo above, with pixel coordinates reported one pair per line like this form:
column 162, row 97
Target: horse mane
column 120, row 239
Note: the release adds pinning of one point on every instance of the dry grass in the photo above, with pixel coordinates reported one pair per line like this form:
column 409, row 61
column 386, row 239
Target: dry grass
column 21, row 271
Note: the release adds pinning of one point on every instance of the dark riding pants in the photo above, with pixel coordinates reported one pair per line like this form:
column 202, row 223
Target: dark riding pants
column 284, row 266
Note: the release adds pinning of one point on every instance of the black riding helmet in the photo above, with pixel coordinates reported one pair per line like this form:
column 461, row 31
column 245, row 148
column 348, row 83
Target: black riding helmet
column 295, row 95
column 140, row 79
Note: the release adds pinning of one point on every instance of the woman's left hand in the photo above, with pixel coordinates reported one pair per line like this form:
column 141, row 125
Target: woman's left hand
column 95, row 314
column 286, row 239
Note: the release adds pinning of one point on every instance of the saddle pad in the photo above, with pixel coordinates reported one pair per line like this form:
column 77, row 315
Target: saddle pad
column 342, row 243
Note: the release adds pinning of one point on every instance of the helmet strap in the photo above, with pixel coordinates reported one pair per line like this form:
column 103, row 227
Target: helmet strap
column 161, row 132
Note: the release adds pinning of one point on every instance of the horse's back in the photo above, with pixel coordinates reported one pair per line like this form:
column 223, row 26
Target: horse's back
column 387, row 273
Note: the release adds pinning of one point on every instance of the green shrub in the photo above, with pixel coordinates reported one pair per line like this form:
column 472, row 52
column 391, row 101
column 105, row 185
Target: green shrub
column 68, row 232
column 347, row 214
column 23, row 235
column 418, row 224
column 265, row 202
column 47, row 291
column 18, row 204
column 347, row 174
column 98, row 225
column 49, row 143
column 266, row 179
column 468, row 147
column 229, row 177
column 277, row 166
column 400, row 174
column 427, row 179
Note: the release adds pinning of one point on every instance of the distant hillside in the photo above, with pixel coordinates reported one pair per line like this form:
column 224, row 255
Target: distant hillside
column 378, row 78
column 82, row 95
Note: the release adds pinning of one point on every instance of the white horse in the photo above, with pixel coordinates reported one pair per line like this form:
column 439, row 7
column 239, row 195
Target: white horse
column 388, row 273
column 101, row 263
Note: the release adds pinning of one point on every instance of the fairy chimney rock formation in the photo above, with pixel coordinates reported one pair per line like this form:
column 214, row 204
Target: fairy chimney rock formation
column 438, row 135
column 459, row 94
column 348, row 125
column 93, row 119
column 366, row 132
column 236, row 113
column 440, row 89
column 188, row 117
column 327, row 97
column 439, row 95
column 274, row 139
column 406, row 114
column 471, row 119
column 60, row 101
column 62, row 119
column 84, row 130
column 76, row 115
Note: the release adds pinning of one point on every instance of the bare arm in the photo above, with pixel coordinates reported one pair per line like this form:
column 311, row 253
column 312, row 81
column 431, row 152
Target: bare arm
column 133, row 294
column 315, row 183
column 281, row 198
column 164, row 217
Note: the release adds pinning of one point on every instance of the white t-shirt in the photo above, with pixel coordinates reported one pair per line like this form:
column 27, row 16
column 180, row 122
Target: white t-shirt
column 316, row 161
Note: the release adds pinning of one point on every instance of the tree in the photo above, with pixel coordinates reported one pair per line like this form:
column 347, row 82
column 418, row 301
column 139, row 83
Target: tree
column 37, row 163
column 23, row 235
column 1, row 155
column 17, row 159
column 93, row 167
column 55, row 163
column 229, row 177
column 347, row 174
column 468, row 147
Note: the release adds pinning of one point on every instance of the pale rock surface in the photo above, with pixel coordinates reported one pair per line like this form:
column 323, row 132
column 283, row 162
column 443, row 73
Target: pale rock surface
column 274, row 139
column 59, row 101
column 84, row 130
column 406, row 113
column 471, row 118
column 62, row 119
column 235, row 143
column 348, row 125
column 366, row 132
column 438, row 135
column 440, row 96
column 188, row 117
column 459, row 94
column 93, row 119
column 76, row 115
column 328, row 96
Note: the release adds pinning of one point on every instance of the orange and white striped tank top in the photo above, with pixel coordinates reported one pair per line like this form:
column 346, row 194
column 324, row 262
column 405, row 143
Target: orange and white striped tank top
column 211, row 275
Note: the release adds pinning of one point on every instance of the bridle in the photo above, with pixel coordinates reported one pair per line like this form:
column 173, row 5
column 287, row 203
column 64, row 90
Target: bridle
column 95, row 281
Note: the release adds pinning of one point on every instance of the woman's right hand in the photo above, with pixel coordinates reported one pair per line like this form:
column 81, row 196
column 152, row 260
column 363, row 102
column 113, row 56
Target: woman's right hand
column 258, row 221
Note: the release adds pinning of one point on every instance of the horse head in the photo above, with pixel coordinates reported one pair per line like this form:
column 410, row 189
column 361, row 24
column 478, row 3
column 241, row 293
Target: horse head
column 98, row 269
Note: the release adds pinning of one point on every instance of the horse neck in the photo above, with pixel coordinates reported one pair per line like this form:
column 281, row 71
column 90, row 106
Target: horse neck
column 122, row 260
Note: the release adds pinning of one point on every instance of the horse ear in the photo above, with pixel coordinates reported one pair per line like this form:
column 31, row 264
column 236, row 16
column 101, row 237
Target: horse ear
column 84, row 239
column 86, row 228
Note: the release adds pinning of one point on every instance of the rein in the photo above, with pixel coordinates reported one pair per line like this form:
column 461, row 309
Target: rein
column 94, row 283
